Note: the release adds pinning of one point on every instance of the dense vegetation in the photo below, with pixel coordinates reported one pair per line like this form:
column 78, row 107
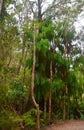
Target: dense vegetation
column 41, row 63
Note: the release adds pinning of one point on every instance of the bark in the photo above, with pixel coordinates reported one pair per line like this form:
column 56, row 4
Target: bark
column 31, row 7
column 24, row 71
column 1, row 3
column 39, row 14
column 64, row 110
column 68, row 109
column 32, row 81
column 1, row 33
column 39, row 11
column 45, row 107
column 64, row 98
column 50, row 93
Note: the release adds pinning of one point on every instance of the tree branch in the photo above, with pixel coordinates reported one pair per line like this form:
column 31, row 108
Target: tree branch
column 31, row 7
column 1, row 3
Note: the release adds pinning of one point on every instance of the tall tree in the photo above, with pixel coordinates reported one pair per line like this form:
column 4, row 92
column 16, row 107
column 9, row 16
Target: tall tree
column 32, row 81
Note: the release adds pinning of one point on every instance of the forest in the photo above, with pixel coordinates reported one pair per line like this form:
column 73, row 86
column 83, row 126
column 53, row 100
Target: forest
column 41, row 63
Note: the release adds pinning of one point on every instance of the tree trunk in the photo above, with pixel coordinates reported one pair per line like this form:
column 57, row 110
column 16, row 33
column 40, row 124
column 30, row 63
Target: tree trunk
column 64, row 109
column 39, row 11
column 50, row 93
column 45, row 105
column 24, row 71
column 32, row 81
column 64, row 96
column 1, row 3
column 21, row 59
column 68, row 109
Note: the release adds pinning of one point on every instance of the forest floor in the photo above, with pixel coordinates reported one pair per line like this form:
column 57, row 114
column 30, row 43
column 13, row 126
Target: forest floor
column 67, row 125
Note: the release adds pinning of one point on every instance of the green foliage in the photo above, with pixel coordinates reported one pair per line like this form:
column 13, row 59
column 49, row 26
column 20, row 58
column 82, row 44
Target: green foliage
column 16, row 48
column 70, row 34
column 73, row 84
column 3, row 89
column 48, row 32
column 82, row 116
column 28, row 34
column 57, row 84
column 17, row 93
column 8, row 120
column 29, row 121
column 59, row 29
column 81, row 109
column 42, row 86
column 29, row 118
column 43, row 45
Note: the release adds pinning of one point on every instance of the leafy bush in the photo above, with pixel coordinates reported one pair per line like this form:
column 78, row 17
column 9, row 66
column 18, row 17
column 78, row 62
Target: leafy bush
column 29, row 118
column 81, row 109
column 9, row 120
column 82, row 116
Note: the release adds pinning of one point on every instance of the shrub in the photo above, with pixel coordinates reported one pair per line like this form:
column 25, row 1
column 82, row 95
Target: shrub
column 9, row 120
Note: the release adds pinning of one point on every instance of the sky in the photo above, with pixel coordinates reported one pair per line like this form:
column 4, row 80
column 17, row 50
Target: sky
column 79, row 24
column 80, row 20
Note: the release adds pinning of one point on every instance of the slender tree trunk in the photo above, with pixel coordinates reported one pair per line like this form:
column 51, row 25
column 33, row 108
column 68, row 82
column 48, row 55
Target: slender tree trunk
column 24, row 71
column 32, row 81
column 1, row 3
column 50, row 93
column 45, row 105
column 68, row 110
column 64, row 109
column 64, row 98
column 21, row 59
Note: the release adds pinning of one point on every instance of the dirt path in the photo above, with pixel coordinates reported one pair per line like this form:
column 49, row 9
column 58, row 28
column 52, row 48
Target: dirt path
column 67, row 125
